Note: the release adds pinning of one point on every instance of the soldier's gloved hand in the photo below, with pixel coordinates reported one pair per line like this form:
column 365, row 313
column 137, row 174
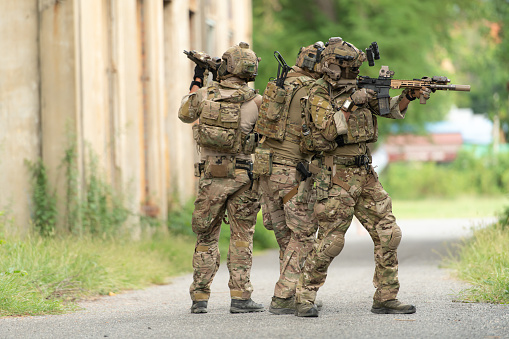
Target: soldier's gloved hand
column 199, row 73
column 416, row 93
column 426, row 92
column 362, row 96
column 198, row 78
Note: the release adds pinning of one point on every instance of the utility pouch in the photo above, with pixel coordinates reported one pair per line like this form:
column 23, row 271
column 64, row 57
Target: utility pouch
column 217, row 138
column 218, row 168
column 262, row 161
column 198, row 168
column 305, row 187
column 250, row 141
column 311, row 139
column 274, row 101
column 322, row 184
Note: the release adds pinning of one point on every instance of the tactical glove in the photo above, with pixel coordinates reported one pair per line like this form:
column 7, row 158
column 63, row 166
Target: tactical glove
column 198, row 73
column 426, row 92
column 362, row 96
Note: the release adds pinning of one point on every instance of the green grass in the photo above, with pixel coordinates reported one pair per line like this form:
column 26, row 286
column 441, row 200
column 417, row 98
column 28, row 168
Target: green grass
column 179, row 222
column 464, row 207
column 483, row 261
column 45, row 275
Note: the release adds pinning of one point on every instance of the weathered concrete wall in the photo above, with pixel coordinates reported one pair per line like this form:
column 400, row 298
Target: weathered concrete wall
column 181, row 147
column 126, row 69
column 105, row 77
column 60, row 106
column 19, row 106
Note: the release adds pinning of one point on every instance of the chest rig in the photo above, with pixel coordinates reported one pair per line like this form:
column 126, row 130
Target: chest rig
column 273, row 118
column 219, row 127
column 362, row 125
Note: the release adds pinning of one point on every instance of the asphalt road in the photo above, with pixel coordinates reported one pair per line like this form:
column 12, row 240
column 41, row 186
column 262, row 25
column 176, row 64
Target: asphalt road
column 163, row 311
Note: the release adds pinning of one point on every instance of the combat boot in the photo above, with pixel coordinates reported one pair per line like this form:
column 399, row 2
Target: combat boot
column 245, row 306
column 282, row 305
column 306, row 310
column 393, row 306
column 199, row 306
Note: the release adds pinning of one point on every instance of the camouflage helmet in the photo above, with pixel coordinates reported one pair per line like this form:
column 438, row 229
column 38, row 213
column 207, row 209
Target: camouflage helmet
column 309, row 57
column 239, row 61
column 343, row 54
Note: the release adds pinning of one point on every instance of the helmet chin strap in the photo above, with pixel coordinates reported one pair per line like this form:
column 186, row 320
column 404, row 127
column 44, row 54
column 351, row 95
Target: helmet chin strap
column 347, row 73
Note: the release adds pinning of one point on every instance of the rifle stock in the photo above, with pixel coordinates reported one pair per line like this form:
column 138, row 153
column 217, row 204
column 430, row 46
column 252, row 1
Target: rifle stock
column 204, row 61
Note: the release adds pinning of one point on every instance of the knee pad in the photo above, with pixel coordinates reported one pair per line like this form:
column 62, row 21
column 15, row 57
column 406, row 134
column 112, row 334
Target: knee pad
column 335, row 247
column 395, row 238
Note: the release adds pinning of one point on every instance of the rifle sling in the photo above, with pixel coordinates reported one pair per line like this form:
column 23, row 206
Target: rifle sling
column 290, row 194
column 340, row 183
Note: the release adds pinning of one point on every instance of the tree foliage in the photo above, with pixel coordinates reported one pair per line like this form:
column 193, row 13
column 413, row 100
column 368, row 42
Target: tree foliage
column 465, row 40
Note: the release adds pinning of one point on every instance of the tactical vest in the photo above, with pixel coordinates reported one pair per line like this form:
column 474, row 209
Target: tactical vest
column 312, row 140
column 219, row 127
column 273, row 119
column 362, row 125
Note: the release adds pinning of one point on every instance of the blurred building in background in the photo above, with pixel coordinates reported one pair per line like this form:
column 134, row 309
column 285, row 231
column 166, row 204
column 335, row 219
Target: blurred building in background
column 461, row 129
column 104, row 78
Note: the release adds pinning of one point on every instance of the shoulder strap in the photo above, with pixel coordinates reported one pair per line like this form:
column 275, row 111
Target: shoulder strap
column 242, row 94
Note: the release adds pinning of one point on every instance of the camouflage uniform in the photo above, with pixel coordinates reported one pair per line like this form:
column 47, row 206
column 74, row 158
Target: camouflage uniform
column 215, row 197
column 290, row 216
column 228, row 111
column 346, row 186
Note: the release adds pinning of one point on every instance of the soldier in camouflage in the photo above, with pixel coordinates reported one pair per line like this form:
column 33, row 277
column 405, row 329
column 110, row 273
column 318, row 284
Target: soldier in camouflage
column 342, row 121
column 286, row 196
column 228, row 111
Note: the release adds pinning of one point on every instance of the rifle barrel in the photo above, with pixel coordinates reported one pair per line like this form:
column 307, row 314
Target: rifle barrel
column 463, row 88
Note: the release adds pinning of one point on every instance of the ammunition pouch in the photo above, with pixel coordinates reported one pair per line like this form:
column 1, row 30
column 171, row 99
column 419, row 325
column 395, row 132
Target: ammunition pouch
column 362, row 127
column 323, row 183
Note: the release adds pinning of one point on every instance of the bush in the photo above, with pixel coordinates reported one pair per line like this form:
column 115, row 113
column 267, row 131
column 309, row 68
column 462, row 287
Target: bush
column 468, row 174
column 179, row 222
column 483, row 261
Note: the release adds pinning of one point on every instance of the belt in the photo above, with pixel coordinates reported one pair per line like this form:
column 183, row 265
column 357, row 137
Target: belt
column 277, row 159
column 357, row 161
column 239, row 163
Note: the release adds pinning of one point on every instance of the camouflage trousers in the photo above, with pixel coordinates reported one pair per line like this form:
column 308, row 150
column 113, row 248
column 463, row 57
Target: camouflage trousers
column 294, row 223
column 215, row 197
column 370, row 203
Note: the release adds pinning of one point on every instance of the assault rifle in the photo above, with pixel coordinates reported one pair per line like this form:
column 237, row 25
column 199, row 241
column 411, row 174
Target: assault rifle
column 384, row 82
column 282, row 70
column 204, row 61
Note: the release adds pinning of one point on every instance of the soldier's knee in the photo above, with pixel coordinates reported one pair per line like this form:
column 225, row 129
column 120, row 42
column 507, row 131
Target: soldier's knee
column 335, row 247
column 395, row 238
